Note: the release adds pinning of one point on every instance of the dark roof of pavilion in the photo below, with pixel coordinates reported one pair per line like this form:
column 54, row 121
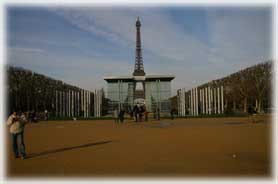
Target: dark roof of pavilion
column 132, row 78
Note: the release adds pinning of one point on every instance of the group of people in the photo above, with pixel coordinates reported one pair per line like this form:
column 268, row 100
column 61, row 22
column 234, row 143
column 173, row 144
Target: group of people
column 119, row 116
column 138, row 113
column 33, row 118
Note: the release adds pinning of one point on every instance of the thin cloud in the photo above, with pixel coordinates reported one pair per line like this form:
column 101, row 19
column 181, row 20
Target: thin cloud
column 159, row 34
column 21, row 49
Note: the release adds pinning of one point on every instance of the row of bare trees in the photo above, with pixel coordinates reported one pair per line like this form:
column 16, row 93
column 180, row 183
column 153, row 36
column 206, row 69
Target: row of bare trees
column 248, row 88
column 27, row 90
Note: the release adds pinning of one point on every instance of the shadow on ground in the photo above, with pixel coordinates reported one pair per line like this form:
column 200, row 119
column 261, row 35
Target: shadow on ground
column 234, row 123
column 160, row 125
column 33, row 155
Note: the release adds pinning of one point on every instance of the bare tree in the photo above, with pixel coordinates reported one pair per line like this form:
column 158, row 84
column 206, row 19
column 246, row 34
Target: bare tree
column 261, row 77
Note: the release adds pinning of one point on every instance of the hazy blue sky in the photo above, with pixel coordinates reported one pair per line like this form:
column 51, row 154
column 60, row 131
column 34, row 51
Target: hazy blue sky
column 82, row 45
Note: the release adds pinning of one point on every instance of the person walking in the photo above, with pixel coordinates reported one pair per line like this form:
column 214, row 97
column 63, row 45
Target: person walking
column 45, row 115
column 140, row 114
column 131, row 114
column 116, row 115
column 158, row 114
column 121, row 115
column 33, row 117
column 16, row 125
column 146, row 114
column 252, row 113
column 172, row 113
column 135, row 110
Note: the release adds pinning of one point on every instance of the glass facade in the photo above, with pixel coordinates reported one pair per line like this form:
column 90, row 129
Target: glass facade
column 157, row 95
column 120, row 94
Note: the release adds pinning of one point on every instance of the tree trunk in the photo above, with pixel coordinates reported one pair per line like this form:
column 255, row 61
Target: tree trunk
column 259, row 105
column 234, row 105
column 28, row 103
column 44, row 104
column 245, row 104
column 36, row 105
column 16, row 102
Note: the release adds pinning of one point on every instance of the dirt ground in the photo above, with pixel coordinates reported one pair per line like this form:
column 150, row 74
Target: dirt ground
column 194, row 147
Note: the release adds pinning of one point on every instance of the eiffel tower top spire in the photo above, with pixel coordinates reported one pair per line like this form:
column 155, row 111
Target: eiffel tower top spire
column 139, row 68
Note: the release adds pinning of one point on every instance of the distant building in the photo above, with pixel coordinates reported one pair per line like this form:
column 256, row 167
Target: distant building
column 152, row 90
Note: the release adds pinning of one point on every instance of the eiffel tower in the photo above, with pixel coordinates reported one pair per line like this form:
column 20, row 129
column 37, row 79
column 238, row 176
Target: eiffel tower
column 139, row 68
column 139, row 74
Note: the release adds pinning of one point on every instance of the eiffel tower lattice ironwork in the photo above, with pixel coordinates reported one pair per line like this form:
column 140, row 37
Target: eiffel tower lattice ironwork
column 139, row 68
